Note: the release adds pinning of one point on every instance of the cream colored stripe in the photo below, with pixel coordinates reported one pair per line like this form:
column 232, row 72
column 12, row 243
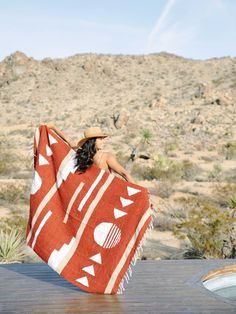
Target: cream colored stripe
column 41, row 206
column 124, row 257
column 72, row 200
column 36, row 134
column 48, row 196
column 84, row 223
column 42, row 223
column 95, row 183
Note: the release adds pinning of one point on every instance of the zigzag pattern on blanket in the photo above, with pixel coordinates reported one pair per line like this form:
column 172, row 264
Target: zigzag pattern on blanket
column 88, row 227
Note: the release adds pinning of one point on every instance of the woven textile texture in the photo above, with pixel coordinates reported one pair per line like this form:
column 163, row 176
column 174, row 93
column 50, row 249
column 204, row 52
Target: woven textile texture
column 88, row 227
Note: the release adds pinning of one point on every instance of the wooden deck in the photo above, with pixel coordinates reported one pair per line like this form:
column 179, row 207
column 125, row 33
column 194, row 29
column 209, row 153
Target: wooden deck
column 163, row 286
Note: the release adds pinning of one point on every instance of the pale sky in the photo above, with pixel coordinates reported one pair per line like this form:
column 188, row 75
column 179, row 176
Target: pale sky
column 197, row 29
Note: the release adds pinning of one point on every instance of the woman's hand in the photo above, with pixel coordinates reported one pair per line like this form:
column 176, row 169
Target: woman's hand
column 61, row 134
column 49, row 125
column 73, row 146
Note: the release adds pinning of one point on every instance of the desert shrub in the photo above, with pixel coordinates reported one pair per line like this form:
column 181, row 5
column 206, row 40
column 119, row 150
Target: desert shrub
column 209, row 229
column 160, row 170
column 12, row 246
column 9, row 160
column 16, row 221
column 26, row 162
column 23, row 174
column 7, row 164
column 170, row 147
column 189, row 170
column 176, row 213
column 12, row 238
column 165, row 168
column 192, row 253
column 167, row 220
column 229, row 149
column 14, row 193
column 208, row 158
column 223, row 193
column 139, row 172
column 216, row 173
column 232, row 201
column 163, row 189
column 164, row 222
column 24, row 132
column 230, row 175
column 177, row 129
column 146, row 136
column 23, row 167
column 4, row 141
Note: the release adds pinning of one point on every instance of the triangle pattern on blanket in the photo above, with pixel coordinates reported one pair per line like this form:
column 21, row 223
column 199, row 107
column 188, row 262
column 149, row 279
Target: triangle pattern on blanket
column 132, row 191
column 48, row 150
column 97, row 258
column 42, row 160
column 96, row 247
column 89, row 270
column 37, row 182
column 119, row 213
column 125, row 201
column 52, row 139
column 83, row 281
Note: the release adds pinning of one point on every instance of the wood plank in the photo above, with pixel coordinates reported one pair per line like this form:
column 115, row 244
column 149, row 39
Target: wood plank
column 163, row 286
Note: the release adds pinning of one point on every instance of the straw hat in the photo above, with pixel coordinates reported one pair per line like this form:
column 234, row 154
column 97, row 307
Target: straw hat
column 90, row 133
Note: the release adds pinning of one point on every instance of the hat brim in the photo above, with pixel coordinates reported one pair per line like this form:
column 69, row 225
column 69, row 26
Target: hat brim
column 85, row 139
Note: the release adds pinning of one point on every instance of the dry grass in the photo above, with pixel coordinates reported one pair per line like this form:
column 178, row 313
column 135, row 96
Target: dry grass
column 223, row 192
column 12, row 193
column 167, row 169
column 163, row 189
column 229, row 150
column 216, row 173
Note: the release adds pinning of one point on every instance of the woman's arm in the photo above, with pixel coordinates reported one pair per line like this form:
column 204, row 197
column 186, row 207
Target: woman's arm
column 62, row 135
column 114, row 165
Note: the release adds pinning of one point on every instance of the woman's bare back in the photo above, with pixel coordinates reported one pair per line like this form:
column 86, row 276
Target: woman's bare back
column 100, row 160
column 104, row 160
column 108, row 162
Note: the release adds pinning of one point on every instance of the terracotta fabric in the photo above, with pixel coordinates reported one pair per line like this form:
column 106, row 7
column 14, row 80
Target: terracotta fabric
column 86, row 227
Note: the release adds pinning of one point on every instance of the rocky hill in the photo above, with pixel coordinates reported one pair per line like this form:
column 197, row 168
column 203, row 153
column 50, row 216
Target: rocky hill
column 165, row 109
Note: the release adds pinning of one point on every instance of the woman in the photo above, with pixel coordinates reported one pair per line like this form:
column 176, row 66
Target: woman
column 89, row 150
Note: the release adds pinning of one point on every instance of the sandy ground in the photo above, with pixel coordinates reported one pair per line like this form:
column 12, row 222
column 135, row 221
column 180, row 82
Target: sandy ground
column 188, row 107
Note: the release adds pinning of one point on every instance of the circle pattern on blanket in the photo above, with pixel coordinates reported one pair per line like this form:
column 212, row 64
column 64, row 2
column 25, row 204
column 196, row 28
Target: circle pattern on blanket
column 107, row 234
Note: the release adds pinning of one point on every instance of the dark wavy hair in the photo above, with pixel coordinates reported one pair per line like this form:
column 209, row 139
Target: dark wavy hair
column 84, row 155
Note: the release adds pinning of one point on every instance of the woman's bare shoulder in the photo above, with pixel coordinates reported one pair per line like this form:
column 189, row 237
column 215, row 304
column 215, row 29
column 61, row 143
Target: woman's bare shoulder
column 108, row 154
column 103, row 155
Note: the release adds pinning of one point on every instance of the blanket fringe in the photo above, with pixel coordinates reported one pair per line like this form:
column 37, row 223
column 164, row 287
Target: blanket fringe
column 127, row 276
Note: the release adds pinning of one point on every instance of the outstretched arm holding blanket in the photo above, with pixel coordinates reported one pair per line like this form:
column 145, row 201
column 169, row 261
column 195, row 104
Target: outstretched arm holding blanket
column 92, row 149
column 60, row 133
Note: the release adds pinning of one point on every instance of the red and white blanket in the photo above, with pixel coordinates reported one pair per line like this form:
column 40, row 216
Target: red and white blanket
column 88, row 227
